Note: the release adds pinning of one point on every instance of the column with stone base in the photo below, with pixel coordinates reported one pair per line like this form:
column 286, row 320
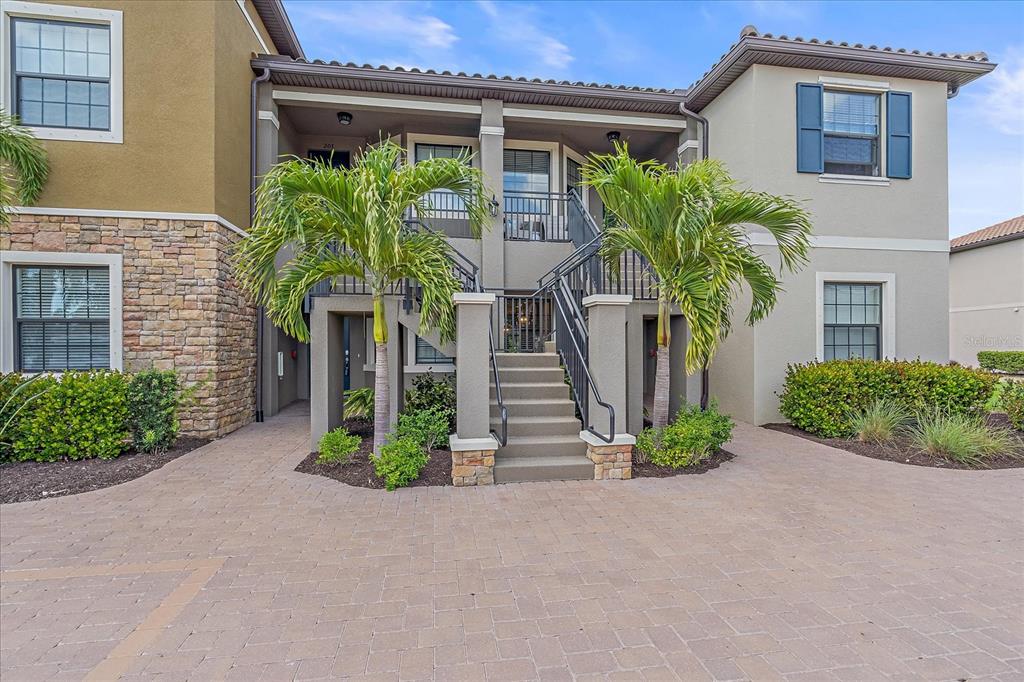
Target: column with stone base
column 606, row 321
column 472, row 445
column 612, row 461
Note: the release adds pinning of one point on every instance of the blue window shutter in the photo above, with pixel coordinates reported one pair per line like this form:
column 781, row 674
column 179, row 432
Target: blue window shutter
column 810, row 142
column 897, row 126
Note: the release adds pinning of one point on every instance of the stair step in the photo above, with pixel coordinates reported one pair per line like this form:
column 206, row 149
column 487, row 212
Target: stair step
column 529, row 407
column 547, row 390
column 543, row 446
column 550, row 468
column 513, row 375
column 565, row 425
column 527, row 360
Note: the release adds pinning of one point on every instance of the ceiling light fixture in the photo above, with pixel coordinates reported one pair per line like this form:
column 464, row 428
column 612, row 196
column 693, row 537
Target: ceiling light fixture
column 613, row 136
column 344, row 118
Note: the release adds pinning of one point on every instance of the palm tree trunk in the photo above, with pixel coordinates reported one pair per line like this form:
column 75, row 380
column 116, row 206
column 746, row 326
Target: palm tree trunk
column 659, row 419
column 381, row 377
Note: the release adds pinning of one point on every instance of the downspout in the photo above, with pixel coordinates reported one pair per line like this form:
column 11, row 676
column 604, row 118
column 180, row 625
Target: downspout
column 260, row 311
column 705, row 375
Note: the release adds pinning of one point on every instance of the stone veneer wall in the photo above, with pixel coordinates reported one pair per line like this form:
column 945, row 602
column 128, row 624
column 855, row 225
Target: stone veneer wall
column 181, row 307
column 611, row 461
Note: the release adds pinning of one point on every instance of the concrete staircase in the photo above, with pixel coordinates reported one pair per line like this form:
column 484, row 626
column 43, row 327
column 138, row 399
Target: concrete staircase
column 543, row 432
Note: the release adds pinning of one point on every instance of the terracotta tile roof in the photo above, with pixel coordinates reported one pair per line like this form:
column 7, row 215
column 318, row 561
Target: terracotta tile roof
column 754, row 47
column 492, row 77
column 1000, row 232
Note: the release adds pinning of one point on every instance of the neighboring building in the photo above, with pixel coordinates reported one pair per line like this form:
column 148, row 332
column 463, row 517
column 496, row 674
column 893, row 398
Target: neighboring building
column 153, row 191
column 143, row 108
column 986, row 291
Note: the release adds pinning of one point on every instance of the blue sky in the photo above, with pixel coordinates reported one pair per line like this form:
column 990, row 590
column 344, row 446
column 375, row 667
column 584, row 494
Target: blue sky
column 671, row 44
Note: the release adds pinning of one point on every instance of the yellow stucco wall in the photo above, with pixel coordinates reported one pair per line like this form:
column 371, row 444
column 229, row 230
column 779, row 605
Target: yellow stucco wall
column 186, row 115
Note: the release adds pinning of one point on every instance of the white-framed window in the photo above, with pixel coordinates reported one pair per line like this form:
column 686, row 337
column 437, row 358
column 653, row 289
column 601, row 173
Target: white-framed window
column 62, row 70
column 852, row 123
column 856, row 315
column 61, row 311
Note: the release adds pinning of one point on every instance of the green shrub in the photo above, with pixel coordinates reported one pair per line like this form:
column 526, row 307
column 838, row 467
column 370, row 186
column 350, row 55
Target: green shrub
column 1009, row 361
column 960, row 437
column 18, row 395
column 153, row 399
column 429, row 428
column 337, row 446
column 690, row 438
column 399, row 462
column 81, row 415
column 879, row 422
column 818, row 397
column 1013, row 403
column 429, row 393
column 359, row 404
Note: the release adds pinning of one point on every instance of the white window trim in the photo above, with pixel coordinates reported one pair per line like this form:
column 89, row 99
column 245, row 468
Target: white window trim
column 555, row 176
column 34, row 10
column 412, row 139
column 410, row 358
column 8, row 259
column 848, row 85
column 888, row 282
column 571, row 153
column 866, row 180
column 409, row 365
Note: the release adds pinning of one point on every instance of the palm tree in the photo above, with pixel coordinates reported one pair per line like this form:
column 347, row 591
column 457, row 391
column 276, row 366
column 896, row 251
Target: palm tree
column 350, row 223
column 23, row 165
column 688, row 224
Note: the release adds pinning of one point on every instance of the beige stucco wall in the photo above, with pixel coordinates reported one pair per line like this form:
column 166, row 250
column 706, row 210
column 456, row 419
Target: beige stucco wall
column 986, row 300
column 753, row 130
column 186, row 116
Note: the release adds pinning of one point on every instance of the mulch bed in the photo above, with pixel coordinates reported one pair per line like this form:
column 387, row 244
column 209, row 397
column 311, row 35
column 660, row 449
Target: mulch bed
column 903, row 452
column 650, row 470
column 358, row 471
column 27, row 481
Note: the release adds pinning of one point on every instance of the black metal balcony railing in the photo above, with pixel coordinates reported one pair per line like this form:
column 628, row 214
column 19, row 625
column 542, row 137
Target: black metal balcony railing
column 536, row 216
column 448, row 214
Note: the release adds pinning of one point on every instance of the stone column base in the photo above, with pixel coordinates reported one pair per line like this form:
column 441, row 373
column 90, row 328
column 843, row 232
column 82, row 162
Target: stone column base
column 472, row 460
column 612, row 461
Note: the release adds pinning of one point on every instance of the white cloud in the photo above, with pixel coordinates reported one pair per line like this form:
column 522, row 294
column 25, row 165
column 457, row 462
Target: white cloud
column 517, row 26
column 396, row 23
column 1001, row 100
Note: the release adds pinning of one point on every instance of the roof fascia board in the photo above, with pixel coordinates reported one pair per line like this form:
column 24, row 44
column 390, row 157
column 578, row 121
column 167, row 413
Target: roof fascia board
column 585, row 117
column 987, row 242
column 853, row 55
column 455, row 81
column 328, row 97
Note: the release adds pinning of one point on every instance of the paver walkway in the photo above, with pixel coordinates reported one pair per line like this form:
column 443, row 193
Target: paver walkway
column 791, row 561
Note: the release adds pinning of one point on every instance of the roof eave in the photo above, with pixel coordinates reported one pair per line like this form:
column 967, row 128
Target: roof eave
column 279, row 26
column 986, row 242
column 479, row 83
column 956, row 71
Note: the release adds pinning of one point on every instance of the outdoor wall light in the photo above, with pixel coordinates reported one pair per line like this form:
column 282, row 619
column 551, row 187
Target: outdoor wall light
column 613, row 136
column 523, row 319
column 344, row 118
column 493, row 205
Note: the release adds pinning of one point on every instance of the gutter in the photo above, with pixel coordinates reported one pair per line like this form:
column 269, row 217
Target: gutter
column 260, row 311
column 705, row 375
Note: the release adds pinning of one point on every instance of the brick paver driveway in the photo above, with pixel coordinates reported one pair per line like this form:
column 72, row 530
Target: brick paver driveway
column 791, row 561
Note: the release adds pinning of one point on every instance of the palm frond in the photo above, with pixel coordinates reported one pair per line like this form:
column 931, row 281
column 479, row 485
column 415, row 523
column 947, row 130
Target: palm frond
column 23, row 165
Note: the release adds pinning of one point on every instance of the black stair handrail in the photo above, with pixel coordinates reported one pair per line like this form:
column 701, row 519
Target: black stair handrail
column 573, row 347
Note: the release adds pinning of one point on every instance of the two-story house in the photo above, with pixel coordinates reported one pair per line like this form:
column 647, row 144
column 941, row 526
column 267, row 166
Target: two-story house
column 152, row 192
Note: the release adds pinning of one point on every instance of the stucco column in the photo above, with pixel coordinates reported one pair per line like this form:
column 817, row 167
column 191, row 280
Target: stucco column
column 327, row 373
column 606, row 321
column 492, row 151
column 472, row 445
column 606, row 315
